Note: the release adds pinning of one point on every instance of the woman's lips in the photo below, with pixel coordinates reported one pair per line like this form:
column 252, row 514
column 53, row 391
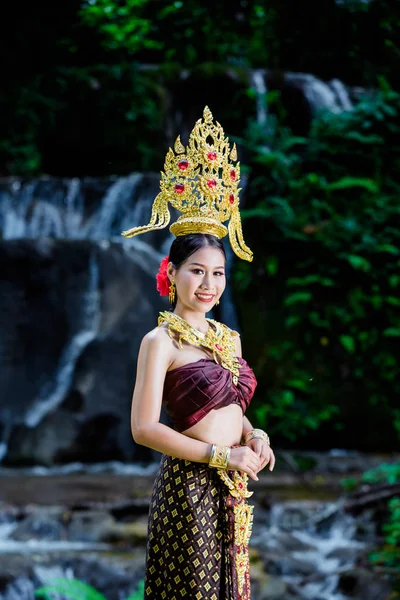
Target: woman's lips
column 205, row 297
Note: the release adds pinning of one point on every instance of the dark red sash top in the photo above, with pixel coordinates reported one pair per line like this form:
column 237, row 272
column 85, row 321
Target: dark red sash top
column 191, row 391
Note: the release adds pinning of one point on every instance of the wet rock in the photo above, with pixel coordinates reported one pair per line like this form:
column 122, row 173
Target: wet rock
column 43, row 444
column 365, row 585
column 98, row 526
column 275, row 588
column 289, row 565
column 135, row 532
column 86, row 305
column 39, row 527
column 264, row 585
column 90, row 526
column 283, row 563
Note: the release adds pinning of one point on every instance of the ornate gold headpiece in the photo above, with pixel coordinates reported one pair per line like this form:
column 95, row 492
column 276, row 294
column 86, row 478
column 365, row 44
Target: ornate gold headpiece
column 201, row 182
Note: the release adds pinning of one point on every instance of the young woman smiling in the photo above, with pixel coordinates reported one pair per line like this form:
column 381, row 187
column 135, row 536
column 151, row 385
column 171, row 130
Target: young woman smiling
column 199, row 518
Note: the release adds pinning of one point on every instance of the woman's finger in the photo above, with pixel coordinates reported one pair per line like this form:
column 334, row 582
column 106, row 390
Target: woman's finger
column 272, row 463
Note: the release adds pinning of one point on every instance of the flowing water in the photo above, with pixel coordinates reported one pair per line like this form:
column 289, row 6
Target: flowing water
column 305, row 545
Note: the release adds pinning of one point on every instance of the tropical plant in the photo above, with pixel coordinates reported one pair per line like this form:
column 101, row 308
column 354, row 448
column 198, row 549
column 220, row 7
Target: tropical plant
column 74, row 589
column 322, row 314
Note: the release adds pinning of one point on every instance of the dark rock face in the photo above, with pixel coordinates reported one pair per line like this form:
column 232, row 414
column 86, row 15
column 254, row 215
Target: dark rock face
column 72, row 315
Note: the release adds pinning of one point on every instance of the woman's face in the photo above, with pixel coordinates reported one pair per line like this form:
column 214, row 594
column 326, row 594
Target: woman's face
column 200, row 280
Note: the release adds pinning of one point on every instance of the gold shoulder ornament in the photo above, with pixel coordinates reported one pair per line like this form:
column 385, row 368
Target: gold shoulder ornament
column 218, row 339
column 202, row 183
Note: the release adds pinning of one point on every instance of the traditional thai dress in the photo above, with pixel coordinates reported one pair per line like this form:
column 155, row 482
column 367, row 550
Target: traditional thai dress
column 199, row 523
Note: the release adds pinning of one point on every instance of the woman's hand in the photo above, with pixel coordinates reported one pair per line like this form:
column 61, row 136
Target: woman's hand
column 243, row 458
column 263, row 451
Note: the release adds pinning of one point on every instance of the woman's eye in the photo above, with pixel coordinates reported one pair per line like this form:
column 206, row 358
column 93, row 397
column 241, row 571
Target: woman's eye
column 201, row 271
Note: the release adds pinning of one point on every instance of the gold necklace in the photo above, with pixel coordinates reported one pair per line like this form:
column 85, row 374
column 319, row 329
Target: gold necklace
column 219, row 339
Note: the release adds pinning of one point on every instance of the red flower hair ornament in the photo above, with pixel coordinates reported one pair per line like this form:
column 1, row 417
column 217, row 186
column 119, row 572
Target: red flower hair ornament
column 163, row 281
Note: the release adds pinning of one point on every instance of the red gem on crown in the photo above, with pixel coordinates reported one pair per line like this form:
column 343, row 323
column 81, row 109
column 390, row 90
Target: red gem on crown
column 218, row 347
column 232, row 175
column 183, row 165
column 179, row 188
column 231, row 198
column 240, row 485
column 211, row 183
column 212, row 155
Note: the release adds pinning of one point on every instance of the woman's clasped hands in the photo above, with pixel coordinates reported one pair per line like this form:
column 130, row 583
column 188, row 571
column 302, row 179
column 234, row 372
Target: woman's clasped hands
column 252, row 457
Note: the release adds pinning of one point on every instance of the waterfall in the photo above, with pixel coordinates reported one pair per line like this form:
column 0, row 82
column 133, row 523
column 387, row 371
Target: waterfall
column 320, row 95
column 76, row 209
column 54, row 391
column 257, row 79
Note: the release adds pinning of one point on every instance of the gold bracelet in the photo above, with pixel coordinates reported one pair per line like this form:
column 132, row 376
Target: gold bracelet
column 219, row 456
column 256, row 433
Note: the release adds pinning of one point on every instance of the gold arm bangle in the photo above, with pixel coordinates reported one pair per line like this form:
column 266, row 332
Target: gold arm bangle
column 219, row 456
column 256, row 433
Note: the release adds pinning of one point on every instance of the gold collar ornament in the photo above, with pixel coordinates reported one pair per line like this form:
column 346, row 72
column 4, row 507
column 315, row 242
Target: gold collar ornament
column 219, row 339
column 201, row 182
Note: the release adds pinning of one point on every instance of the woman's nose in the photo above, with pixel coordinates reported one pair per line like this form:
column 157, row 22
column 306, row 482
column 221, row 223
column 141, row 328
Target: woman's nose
column 206, row 281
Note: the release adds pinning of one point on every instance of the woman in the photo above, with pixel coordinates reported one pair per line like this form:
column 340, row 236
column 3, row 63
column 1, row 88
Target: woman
column 199, row 518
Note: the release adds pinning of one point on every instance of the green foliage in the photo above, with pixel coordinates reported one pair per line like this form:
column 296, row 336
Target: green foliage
column 324, row 317
column 388, row 555
column 87, row 83
column 73, row 589
column 384, row 473
column 187, row 33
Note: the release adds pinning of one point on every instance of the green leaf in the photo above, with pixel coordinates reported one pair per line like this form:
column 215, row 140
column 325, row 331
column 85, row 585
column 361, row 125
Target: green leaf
column 359, row 262
column 297, row 297
column 393, row 300
column 292, row 321
column 309, row 279
column 299, row 384
column 392, row 332
column 387, row 248
column 348, row 343
column 351, row 182
column 71, row 588
column 138, row 595
column 272, row 265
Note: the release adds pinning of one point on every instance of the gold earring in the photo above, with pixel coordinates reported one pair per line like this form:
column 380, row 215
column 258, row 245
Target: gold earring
column 217, row 302
column 171, row 294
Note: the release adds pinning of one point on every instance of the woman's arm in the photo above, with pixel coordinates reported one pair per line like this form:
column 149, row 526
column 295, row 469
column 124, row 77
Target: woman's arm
column 247, row 426
column 153, row 361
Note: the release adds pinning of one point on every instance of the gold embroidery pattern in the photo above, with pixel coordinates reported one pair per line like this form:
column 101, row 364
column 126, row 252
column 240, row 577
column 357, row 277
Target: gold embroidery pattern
column 242, row 527
column 186, row 536
column 219, row 339
column 199, row 527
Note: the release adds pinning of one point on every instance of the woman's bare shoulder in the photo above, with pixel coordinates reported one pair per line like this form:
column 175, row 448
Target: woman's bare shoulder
column 157, row 337
column 156, row 350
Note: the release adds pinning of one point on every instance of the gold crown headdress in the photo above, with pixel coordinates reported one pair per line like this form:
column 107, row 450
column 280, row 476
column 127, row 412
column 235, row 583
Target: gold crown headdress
column 201, row 182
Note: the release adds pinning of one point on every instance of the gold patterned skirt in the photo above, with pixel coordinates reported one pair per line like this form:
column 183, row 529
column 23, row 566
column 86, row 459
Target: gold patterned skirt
column 199, row 528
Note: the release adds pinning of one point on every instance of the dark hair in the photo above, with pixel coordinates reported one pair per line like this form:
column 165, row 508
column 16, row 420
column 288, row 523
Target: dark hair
column 184, row 246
